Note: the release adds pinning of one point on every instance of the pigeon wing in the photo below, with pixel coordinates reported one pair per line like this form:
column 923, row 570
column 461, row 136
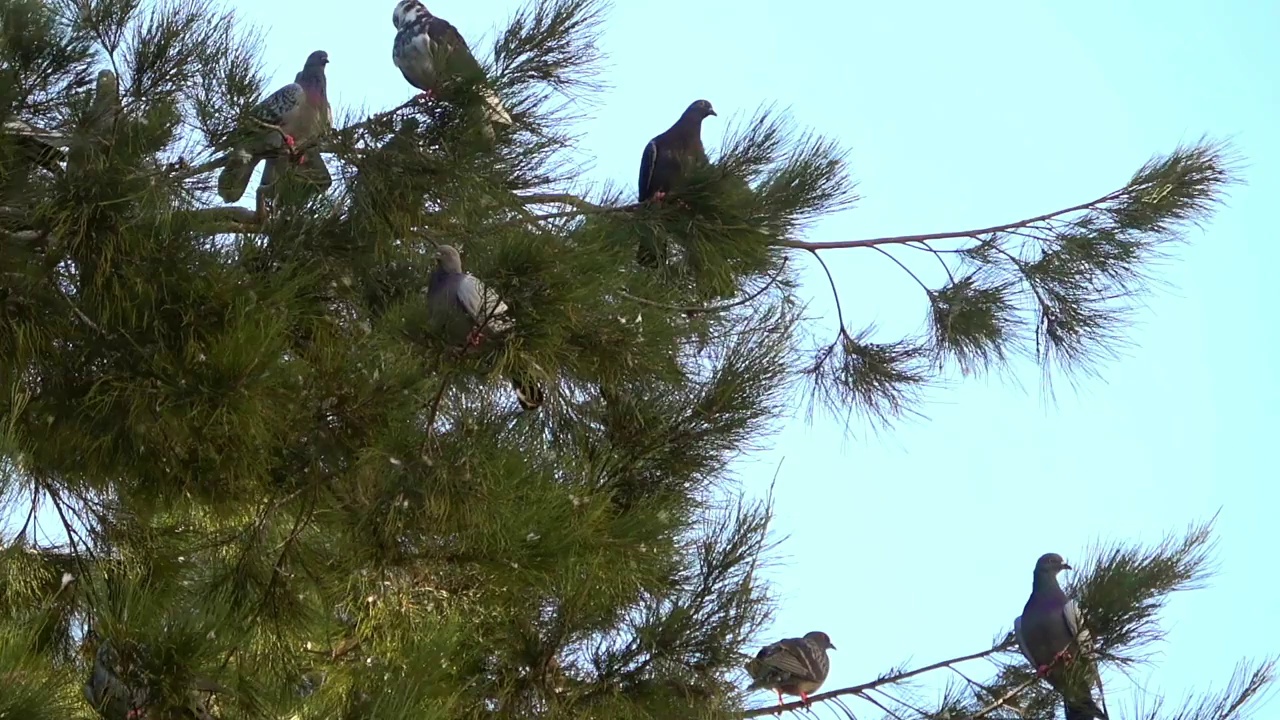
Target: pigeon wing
column 447, row 41
column 647, row 162
column 789, row 657
column 482, row 304
column 280, row 105
column 1022, row 641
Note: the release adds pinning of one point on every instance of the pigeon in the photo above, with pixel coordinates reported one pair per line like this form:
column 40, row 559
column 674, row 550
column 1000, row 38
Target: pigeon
column 668, row 155
column 103, row 113
column 113, row 699
column 430, row 52
column 795, row 666
column 462, row 308
column 297, row 112
column 665, row 160
column 1051, row 636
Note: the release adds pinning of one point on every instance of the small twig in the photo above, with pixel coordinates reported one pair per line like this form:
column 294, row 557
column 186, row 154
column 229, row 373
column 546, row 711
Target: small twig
column 901, row 702
column 900, row 264
column 696, row 310
column 1000, row 702
column 835, row 293
column 938, row 256
column 873, row 701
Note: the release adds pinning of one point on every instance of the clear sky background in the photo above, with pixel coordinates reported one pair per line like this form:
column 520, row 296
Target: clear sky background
column 918, row 544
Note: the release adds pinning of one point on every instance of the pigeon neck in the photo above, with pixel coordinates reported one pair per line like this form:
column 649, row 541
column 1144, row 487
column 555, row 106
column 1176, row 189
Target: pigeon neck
column 312, row 78
column 1044, row 583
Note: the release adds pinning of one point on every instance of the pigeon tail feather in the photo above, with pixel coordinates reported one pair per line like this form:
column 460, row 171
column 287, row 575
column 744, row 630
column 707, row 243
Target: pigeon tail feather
column 529, row 394
column 495, row 111
column 1083, row 710
column 234, row 178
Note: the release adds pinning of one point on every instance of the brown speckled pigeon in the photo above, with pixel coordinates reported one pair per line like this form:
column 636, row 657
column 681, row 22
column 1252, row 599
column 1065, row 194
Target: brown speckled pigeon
column 462, row 308
column 795, row 666
column 1051, row 637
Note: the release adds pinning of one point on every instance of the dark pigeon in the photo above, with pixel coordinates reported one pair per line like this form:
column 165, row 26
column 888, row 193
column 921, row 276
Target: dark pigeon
column 668, row 156
column 112, row 698
column 1051, row 636
column 795, row 666
column 297, row 112
column 462, row 308
column 430, row 52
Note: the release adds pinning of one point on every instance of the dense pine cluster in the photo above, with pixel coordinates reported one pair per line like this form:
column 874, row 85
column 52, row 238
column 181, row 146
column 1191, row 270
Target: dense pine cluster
column 302, row 466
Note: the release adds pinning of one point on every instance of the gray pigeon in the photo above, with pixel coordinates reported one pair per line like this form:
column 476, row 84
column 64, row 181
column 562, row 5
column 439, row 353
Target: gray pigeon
column 1051, row 637
column 462, row 308
column 795, row 666
column 108, row 693
column 665, row 160
column 297, row 112
column 430, row 52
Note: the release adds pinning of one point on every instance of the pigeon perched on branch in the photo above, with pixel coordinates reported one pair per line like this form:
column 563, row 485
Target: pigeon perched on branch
column 462, row 309
column 296, row 113
column 664, row 163
column 1055, row 642
column 795, row 666
column 669, row 155
column 431, row 53
column 110, row 694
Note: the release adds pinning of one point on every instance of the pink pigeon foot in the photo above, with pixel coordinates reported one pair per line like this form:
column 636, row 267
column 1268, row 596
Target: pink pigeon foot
column 1042, row 670
column 804, row 696
column 427, row 95
column 780, row 703
column 657, row 197
column 289, row 141
column 473, row 339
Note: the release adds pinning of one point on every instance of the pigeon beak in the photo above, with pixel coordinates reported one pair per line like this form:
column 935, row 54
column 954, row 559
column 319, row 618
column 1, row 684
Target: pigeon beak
column 831, row 646
column 712, row 111
column 1067, row 567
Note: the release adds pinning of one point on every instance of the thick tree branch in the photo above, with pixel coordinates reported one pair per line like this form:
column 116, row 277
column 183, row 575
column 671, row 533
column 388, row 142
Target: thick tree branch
column 879, row 682
column 927, row 237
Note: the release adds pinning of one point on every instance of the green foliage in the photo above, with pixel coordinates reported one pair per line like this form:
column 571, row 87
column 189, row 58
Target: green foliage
column 274, row 481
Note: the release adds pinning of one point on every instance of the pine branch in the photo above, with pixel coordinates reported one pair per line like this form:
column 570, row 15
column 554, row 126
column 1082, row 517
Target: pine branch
column 891, row 679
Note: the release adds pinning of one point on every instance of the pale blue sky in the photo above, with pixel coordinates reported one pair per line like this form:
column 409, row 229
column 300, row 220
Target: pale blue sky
column 913, row 544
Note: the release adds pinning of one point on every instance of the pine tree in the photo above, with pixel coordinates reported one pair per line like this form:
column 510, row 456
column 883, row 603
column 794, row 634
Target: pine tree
column 282, row 495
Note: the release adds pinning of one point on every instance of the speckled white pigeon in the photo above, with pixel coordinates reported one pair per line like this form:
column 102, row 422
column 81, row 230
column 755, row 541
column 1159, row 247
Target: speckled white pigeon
column 300, row 111
column 430, row 52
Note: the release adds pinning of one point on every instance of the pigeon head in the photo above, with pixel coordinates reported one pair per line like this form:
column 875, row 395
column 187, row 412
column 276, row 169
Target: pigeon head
column 1051, row 564
column 448, row 259
column 699, row 110
column 407, row 11
column 820, row 639
column 317, row 60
